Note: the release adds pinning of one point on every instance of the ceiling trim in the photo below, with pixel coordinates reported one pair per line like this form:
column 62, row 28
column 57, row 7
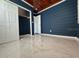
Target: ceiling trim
column 51, row 6
column 27, row 3
column 45, row 8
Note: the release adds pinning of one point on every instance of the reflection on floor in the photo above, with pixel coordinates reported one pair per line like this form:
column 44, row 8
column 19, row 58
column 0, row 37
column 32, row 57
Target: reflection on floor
column 40, row 46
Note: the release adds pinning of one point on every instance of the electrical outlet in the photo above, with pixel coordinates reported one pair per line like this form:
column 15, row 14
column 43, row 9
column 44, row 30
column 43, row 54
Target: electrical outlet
column 50, row 30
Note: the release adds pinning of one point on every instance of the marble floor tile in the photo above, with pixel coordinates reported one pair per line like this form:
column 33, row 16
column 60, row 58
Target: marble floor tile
column 39, row 46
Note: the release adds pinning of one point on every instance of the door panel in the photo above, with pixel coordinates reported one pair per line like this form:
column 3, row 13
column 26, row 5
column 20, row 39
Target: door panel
column 8, row 22
column 37, row 24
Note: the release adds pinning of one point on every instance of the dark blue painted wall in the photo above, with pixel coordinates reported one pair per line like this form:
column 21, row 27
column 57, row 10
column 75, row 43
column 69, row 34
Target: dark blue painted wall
column 24, row 25
column 62, row 19
column 77, row 30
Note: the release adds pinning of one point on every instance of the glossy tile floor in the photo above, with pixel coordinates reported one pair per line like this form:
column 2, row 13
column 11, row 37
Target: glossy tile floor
column 40, row 46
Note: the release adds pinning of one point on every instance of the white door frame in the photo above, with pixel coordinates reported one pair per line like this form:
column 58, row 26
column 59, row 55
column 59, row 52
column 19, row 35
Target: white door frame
column 37, row 24
column 26, row 10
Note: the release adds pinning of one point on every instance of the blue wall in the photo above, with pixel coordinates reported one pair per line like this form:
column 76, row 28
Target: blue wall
column 24, row 25
column 62, row 19
column 77, row 30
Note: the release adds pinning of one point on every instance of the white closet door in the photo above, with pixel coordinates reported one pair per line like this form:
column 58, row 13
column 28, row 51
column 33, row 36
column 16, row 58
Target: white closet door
column 12, row 15
column 8, row 22
column 2, row 22
column 37, row 24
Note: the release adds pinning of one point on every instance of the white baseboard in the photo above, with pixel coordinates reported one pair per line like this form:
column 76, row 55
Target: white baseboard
column 61, row 36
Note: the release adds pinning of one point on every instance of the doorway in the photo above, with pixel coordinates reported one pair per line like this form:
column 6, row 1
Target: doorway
column 37, row 24
column 24, row 18
column 24, row 21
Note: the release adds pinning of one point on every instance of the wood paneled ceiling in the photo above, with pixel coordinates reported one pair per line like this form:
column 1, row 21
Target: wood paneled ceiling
column 39, row 5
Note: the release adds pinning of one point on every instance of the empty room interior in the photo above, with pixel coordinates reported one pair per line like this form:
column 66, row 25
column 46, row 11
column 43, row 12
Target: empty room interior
column 39, row 28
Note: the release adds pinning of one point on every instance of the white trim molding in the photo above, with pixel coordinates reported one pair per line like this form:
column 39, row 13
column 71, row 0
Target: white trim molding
column 27, row 3
column 45, row 8
column 52, row 6
column 61, row 36
column 26, row 10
